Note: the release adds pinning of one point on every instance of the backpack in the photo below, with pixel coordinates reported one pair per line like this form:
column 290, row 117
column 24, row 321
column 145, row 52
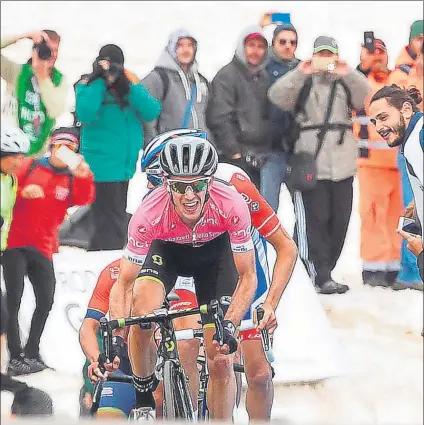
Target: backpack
column 163, row 74
column 295, row 129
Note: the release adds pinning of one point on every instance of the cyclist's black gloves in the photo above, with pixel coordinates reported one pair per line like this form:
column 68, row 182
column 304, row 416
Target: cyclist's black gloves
column 228, row 336
column 119, row 348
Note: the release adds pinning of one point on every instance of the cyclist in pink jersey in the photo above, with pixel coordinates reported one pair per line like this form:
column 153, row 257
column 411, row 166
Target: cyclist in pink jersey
column 266, row 227
column 192, row 226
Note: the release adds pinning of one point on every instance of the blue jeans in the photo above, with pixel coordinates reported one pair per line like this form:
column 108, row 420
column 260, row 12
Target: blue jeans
column 273, row 174
column 408, row 264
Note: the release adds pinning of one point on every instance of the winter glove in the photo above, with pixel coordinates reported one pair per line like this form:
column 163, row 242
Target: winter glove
column 229, row 330
column 114, row 72
column 256, row 160
column 121, row 85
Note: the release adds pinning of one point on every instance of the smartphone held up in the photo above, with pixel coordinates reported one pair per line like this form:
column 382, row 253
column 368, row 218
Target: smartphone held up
column 68, row 157
column 409, row 225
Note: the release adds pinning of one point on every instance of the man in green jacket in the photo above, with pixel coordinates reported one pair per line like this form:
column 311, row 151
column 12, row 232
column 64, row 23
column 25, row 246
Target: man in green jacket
column 111, row 105
column 37, row 91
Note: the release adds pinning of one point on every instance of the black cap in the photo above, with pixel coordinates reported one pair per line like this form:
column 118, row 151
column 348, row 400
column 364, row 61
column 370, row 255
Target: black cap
column 113, row 53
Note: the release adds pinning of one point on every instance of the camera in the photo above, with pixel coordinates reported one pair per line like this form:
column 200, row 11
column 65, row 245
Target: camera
column 43, row 50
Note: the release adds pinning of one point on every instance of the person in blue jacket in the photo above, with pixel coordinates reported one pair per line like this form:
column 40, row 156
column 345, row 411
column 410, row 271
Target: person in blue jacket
column 282, row 59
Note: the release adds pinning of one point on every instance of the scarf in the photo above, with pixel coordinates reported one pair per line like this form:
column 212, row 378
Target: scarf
column 33, row 118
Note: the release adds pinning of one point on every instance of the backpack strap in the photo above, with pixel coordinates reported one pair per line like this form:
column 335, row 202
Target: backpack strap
column 163, row 74
column 303, row 96
column 31, row 168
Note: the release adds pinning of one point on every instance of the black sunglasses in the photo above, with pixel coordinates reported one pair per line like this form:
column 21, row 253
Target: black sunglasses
column 197, row 185
column 283, row 42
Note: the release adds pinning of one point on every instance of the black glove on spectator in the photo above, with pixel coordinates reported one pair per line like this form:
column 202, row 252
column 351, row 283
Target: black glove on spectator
column 98, row 72
column 228, row 337
column 256, row 160
column 121, row 85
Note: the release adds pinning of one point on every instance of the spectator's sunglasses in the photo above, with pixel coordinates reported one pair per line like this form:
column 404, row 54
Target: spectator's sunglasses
column 181, row 186
column 283, row 42
column 70, row 146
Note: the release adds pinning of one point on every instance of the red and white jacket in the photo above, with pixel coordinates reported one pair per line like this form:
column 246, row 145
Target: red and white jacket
column 36, row 222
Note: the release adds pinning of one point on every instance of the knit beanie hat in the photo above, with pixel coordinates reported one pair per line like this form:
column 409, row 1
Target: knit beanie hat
column 283, row 27
column 113, row 53
column 67, row 136
column 417, row 28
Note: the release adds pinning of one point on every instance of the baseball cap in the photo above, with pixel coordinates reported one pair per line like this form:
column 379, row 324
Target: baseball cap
column 325, row 43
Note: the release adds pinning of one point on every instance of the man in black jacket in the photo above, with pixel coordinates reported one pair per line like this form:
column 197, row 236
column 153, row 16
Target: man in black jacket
column 237, row 113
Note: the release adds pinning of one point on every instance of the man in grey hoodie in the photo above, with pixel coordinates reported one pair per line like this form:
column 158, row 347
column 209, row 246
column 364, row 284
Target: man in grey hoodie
column 238, row 108
column 175, row 81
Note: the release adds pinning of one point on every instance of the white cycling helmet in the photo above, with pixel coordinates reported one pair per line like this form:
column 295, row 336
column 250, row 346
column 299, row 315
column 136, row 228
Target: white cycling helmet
column 187, row 156
column 13, row 140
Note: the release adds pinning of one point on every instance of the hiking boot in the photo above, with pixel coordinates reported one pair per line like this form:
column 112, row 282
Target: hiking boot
column 400, row 286
column 142, row 414
column 19, row 366
column 375, row 279
column 37, row 362
column 332, row 287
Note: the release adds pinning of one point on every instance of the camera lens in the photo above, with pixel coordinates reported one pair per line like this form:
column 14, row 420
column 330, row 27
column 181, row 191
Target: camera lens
column 43, row 51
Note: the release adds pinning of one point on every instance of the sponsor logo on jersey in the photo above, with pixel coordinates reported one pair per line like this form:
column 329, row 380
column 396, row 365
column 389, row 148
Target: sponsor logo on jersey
column 214, row 207
column 156, row 221
column 141, row 229
column 234, row 220
column 137, row 243
column 181, row 304
column 114, row 272
column 107, row 392
column 61, row 193
column 134, row 258
column 239, row 177
column 242, row 232
column 208, row 222
column 148, row 271
column 225, row 300
column 254, row 206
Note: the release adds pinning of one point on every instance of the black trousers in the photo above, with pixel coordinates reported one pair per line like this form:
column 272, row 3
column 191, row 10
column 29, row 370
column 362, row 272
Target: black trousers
column 109, row 216
column 322, row 219
column 17, row 263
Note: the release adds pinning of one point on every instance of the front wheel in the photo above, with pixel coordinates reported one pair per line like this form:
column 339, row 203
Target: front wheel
column 176, row 395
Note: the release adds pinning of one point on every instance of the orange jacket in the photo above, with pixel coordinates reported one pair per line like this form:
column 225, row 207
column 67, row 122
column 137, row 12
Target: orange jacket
column 377, row 153
column 399, row 76
column 407, row 79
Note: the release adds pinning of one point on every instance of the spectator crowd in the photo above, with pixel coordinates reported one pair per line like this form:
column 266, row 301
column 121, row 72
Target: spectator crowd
column 302, row 123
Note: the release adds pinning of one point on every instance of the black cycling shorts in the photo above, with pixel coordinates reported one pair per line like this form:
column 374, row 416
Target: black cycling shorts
column 211, row 266
column 3, row 314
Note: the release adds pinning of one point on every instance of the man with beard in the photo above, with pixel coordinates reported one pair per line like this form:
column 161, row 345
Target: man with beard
column 399, row 122
column 176, row 82
column 238, row 108
column 380, row 196
column 282, row 59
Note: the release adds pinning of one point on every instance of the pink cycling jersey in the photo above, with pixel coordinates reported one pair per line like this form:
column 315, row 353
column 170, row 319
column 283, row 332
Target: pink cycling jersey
column 155, row 218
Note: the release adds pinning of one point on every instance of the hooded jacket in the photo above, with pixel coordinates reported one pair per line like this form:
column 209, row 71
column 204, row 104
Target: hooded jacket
column 337, row 158
column 181, row 87
column 238, row 109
